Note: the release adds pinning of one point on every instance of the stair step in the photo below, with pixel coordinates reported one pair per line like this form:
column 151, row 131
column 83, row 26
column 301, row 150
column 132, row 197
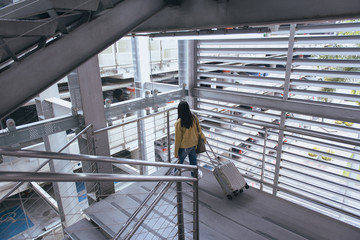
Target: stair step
column 106, row 216
column 111, row 213
column 84, row 229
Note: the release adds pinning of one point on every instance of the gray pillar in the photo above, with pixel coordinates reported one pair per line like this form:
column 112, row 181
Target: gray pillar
column 92, row 102
column 191, row 74
column 142, row 73
column 183, row 63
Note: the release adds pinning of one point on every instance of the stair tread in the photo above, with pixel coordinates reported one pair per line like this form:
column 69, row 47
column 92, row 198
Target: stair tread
column 84, row 229
column 107, row 216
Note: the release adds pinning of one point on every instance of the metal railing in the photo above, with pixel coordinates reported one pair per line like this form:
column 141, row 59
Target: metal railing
column 91, row 177
column 46, row 162
column 168, row 192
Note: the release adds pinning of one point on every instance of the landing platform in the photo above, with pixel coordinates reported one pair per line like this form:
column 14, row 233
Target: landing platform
column 258, row 215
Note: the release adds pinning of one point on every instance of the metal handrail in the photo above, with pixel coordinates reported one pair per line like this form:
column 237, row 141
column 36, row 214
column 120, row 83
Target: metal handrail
column 132, row 121
column 87, row 158
column 46, row 162
column 11, row 176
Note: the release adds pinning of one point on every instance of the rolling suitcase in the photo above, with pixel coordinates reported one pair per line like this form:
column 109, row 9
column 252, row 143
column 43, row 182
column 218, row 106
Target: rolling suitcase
column 229, row 177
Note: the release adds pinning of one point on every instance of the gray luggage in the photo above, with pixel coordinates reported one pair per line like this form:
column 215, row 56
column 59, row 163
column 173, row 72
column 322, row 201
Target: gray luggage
column 230, row 179
column 228, row 176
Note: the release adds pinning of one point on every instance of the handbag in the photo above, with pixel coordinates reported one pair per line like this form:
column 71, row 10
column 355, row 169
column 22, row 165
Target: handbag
column 200, row 148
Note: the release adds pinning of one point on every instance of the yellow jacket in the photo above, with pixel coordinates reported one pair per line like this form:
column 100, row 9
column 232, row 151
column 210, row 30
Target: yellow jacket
column 187, row 137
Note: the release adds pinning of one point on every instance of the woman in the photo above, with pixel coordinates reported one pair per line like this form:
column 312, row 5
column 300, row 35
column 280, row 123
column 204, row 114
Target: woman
column 187, row 129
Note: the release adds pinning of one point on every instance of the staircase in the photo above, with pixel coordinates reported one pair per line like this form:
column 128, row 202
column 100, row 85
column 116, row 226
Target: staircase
column 105, row 218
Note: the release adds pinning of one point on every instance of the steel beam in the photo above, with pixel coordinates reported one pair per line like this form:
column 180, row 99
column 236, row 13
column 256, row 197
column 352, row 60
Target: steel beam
column 323, row 28
column 211, row 32
column 4, row 47
column 162, row 87
column 118, row 109
column 45, row 196
column 208, row 14
column 27, row 8
column 43, row 68
column 15, row 28
column 38, row 130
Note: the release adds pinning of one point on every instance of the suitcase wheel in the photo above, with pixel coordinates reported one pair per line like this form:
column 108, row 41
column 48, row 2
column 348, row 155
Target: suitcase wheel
column 247, row 186
column 241, row 190
column 236, row 192
column 229, row 197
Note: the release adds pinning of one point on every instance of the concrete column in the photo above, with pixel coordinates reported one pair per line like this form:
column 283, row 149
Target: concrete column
column 92, row 103
column 65, row 192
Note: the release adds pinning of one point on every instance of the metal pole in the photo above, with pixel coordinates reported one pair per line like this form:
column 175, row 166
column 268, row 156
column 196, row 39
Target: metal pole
column 196, row 205
column 89, row 158
column 283, row 113
column 168, row 134
column 141, row 154
column 263, row 159
column 46, row 162
column 132, row 121
column 180, row 210
column 11, row 176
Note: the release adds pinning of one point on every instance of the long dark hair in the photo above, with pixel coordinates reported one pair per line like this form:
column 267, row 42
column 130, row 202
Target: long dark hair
column 185, row 114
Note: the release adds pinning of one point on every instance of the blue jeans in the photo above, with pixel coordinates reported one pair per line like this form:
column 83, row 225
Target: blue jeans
column 183, row 152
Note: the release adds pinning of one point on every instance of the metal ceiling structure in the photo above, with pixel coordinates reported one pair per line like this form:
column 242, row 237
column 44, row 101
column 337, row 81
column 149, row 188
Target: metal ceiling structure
column 43, row 40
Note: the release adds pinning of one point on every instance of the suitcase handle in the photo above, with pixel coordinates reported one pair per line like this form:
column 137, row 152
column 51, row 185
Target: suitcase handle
column 217, row 162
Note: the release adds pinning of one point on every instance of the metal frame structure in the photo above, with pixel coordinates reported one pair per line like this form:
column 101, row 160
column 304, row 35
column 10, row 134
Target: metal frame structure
column 198, row 64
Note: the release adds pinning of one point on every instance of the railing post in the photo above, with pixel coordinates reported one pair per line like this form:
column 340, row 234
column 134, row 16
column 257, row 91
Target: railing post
column 263, row 160
column 196, row 205
column 288, row 70
column 168, row 134
column 141, row 152
column 180, row 210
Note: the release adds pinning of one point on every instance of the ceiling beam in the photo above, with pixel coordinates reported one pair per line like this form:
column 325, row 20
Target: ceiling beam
column 207, row 14
column 48, row 65
column 15, row 28
column 29, row 8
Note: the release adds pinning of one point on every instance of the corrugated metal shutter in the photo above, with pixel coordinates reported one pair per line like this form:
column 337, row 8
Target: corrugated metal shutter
column 300, row 92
